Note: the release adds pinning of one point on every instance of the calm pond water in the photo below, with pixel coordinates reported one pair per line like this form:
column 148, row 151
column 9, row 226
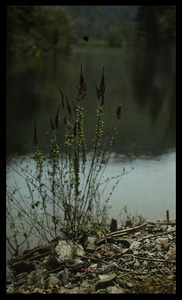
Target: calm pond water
column 142, row 83
column 147, row 97
column 147, row 190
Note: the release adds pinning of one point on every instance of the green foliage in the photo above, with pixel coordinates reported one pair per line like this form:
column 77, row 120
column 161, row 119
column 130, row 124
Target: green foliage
column 156, row 25
column 64, row 194
column 34, row 31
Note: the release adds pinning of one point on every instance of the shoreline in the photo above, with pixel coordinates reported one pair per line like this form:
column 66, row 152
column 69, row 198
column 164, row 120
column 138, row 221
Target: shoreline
column 134, row 256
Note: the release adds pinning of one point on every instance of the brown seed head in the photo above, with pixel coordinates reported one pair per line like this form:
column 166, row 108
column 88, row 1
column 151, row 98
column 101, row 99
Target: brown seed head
column 81, row 79
column 35, row 138
column 118, row 112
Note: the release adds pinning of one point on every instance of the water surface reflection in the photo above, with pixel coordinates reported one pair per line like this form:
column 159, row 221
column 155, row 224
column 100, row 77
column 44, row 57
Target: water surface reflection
column 148, row 189
column 148, row 99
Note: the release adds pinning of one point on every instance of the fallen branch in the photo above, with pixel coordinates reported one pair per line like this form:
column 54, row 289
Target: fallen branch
column 120, row 233
column 162, row 223
column 127, row 231
column 44, row 250
column 60, row 268
column 40, row 255
column 158, row 234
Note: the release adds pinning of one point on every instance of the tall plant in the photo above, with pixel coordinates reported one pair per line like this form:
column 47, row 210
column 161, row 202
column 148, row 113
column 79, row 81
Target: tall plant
column 68, row 186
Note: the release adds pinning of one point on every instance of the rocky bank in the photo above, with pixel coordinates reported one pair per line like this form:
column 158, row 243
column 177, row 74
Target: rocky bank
column 139, row 260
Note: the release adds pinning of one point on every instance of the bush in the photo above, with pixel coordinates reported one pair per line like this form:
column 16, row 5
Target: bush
column 65, row 195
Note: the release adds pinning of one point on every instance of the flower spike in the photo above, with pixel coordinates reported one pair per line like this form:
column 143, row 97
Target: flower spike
column 118, row 112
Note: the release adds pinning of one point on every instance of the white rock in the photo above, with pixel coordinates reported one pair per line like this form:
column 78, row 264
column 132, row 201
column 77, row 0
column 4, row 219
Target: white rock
column 169, row 228
column 147, row 241
column 115, row 290
column 135, row 245
column 91, row 239
column 66, row 250
column 158, row 247
column 137, row 264
column 10, row 289
column 145, row 263
column 129, row 284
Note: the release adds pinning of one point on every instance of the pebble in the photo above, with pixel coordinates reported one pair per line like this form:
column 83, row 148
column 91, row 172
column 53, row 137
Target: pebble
column 129, row 284
column 115, row 290
column 90, row 248
column 135, row 245
column 53, row 280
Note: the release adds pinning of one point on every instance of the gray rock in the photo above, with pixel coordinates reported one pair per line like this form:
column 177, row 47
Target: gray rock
column 65, row 275
column 129, row 284
column 115, row 290
column 66, row 251
column 78, row 266
column 90, row 248
column 62, row 290
column 135, row 245
column 158, row 247
column 34, row 277
column 75, row 290
column 53, row 280
column 10, row 289
column 85, row 284
column 91, row 239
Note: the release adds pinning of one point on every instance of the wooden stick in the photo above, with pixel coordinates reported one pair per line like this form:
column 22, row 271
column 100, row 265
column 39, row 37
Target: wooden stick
column 162, row 223
column 158, row 234
column 43, row 249
column 120, row 233
column 129, row 230
column 167, row 215
column 40, row 255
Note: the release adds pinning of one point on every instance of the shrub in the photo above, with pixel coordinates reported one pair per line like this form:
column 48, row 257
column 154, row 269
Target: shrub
column 66, row 190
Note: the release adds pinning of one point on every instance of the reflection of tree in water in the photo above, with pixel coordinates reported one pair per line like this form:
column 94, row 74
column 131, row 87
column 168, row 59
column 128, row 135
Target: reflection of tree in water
column 154, row 88
column 152, row 76
column 154, row 70
column 171, row 126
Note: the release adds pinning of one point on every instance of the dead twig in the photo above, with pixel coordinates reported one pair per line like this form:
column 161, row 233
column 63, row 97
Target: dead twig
column 120, row 233
column 146, row 258
column 127, row 231
column 43, row 251
column 162, row 223
column 158, row 234
column 40, row 255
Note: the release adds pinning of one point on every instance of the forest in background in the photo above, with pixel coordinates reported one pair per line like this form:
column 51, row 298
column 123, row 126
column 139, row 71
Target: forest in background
column 34, row 32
